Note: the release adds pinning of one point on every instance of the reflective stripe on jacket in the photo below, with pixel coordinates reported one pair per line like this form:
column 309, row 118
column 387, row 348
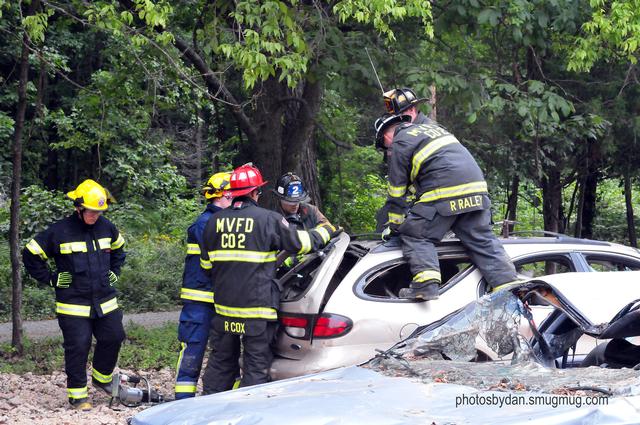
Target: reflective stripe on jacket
column 241, row 242
column 425, row 155
column 88, row 253
column 196, row 285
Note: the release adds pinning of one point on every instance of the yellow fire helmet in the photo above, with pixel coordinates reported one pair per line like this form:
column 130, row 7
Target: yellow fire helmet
column 90, row 195
column 217, row 185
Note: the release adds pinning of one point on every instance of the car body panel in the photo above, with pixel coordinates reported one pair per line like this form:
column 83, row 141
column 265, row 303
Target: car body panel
column 354, row 396
column 379, row 322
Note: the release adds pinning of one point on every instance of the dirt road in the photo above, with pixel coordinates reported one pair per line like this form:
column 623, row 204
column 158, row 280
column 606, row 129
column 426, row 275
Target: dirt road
column 49, row 328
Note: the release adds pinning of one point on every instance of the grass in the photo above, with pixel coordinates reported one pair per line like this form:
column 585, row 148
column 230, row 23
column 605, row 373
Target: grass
column 144, row 349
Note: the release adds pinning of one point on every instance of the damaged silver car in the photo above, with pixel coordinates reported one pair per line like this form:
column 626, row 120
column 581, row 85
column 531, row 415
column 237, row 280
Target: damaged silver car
column 412, row 383
column 341, row 305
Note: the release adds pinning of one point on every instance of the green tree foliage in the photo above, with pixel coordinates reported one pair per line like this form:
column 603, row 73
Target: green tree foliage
column 613, row 31
column 150, row 97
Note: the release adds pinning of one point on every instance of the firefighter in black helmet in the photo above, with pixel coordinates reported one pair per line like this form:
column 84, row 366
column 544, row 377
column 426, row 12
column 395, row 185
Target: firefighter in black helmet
column 295, row 207
column 294, row 203
column 404, row 102
column 88, row 253
column 450, row 194
column 239, row 247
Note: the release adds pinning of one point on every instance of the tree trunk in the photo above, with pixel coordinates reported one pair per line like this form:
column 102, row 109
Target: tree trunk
column 267, row 142
column 589, row 203
column 590, row 188
column 14, row 226
column 198, row 140
column 432, row 101
column 631, row 225
column 580, row 208
column 512, row 203
column 299, row 153
column 552, row 202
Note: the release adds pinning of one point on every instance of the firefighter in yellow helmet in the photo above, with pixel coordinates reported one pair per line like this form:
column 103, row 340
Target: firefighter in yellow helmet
column 88, row 253
column 197, row 292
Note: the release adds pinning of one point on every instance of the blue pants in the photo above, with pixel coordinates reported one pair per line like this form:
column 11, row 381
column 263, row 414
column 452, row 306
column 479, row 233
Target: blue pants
column 193, row 334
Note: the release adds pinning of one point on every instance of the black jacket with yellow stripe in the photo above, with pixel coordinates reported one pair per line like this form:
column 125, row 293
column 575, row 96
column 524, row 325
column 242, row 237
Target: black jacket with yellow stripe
column 239, row 246
column 441, row 170
column 88, row 253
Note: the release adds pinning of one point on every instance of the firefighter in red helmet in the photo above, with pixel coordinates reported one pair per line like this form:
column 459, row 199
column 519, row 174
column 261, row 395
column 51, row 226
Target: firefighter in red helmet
column 239, row 249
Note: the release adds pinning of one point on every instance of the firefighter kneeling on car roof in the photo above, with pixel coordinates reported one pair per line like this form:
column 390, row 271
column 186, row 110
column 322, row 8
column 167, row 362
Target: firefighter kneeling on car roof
column 239, row 249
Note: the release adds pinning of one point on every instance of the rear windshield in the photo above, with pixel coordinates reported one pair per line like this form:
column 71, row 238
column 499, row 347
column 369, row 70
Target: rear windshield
column 297, row 281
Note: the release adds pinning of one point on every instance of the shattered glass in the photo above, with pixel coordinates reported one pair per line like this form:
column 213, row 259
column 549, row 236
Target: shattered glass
column 525, row 376
column 494, row 318
column 442, row 352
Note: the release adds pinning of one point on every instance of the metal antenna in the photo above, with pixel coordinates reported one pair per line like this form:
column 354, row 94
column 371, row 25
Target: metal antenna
column 374, row 70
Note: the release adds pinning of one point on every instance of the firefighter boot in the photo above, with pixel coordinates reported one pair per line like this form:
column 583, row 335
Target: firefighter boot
column 80, row 404
column 421, row 290
column 106, row 387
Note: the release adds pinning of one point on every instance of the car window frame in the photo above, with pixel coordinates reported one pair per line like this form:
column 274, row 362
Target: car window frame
column 361, row 281
column 605, row 254
column 544, row 256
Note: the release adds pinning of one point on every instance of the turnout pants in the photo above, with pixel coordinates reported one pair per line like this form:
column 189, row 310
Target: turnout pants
column 76, row 333
column 193, row 334
column 424, row 226
column 223, row 366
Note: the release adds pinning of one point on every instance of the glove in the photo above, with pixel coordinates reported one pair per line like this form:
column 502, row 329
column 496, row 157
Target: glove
column 61, row 280
column 334, row 231
column 389, row 232
column 113, row 278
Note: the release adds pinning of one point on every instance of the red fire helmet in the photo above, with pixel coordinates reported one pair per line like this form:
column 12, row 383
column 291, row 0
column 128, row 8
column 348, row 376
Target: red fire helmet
column 245, row 179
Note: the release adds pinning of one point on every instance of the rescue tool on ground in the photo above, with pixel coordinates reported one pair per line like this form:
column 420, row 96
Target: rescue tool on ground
column 128, row 394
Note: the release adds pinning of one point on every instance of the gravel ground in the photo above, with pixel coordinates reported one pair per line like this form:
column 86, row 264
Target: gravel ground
column 42, row 399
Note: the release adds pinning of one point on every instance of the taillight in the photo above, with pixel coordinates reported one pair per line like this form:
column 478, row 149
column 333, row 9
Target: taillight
column 331, row 325
column 295, row 326
column 324, row 326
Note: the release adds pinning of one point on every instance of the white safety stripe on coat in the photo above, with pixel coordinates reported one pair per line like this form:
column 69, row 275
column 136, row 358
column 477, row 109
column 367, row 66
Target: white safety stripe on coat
column 109, row 306
column 118, row 243
column 205, row 264
column 196, row 295
column 104, row 243
column 73, row 309
column 71, row 247
column 267, row 313
column 428, row 150
column 427, row 275
column 305, row 241
column 35, row 248
column 242, row 255
column 454, row 191
column 193, row 249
